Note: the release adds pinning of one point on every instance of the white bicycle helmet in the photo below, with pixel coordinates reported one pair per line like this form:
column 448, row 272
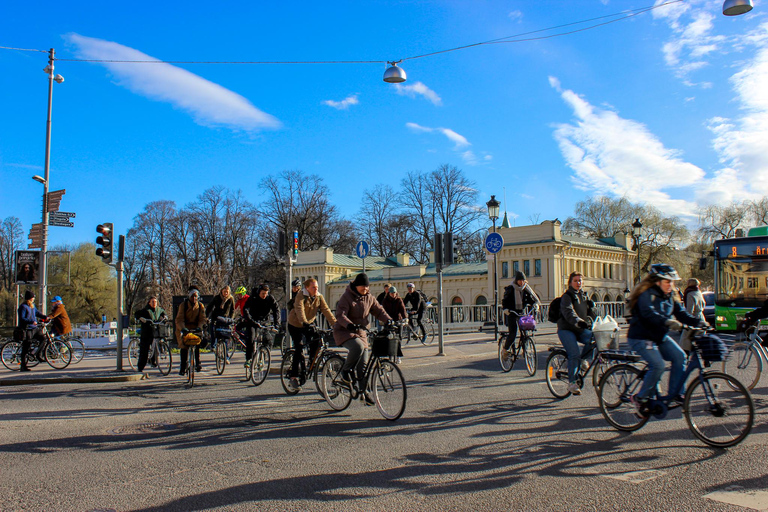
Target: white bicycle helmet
column 664, row 271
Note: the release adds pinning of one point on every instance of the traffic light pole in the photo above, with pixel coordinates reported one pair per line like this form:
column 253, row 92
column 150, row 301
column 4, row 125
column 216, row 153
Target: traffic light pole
column 440, row 314
column 120, row 326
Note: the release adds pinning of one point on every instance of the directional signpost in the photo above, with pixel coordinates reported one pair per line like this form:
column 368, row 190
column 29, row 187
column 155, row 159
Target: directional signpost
column 362, row 250
column 61, row 219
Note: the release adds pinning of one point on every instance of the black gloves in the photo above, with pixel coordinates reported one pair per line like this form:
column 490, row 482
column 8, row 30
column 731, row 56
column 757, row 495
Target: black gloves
column 582, row 324
column 353, row 327
column 184, row 331
column 311, row 329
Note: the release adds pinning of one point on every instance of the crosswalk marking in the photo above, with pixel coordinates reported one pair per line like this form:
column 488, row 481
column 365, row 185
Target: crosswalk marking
column 756, row 500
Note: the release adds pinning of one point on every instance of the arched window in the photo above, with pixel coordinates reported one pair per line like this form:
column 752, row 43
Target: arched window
column 595, row 297
column 457, row 313
column 480, row 314
column 481, row 300
column 456, row 301
column 607, row 298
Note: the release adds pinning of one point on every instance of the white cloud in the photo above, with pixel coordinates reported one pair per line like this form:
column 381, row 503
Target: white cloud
column 420, row 89
column 208, row 103
column 620, row 157
column 343, row 104
column 459, row 140
column 515, row 16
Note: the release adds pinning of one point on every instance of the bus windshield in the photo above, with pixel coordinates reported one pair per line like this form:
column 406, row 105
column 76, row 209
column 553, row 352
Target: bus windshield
column 742, row 281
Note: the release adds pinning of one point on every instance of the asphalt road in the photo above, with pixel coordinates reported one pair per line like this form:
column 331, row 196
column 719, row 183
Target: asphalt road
column 472, row 438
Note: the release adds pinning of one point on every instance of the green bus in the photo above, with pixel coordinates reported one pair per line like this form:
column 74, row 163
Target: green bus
column 741, row 276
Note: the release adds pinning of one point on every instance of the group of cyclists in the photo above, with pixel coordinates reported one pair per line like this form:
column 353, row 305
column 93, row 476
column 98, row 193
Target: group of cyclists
column 29, row 326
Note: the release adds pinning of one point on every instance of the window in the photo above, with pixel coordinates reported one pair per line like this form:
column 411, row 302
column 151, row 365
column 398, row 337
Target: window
column 516, row 266
column 504, row 269
column 537, row 267
column 527, row 267
column 481, row 300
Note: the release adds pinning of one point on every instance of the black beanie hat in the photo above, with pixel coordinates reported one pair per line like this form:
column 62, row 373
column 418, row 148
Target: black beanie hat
column 361, row 280
column 29, row 294
column 519, row 276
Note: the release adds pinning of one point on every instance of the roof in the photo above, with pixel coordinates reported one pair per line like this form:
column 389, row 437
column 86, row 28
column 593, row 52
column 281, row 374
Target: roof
column 348, row 260
column 457, row 269
column 602, row 242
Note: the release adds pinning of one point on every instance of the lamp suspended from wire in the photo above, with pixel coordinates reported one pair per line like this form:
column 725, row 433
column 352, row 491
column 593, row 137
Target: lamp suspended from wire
column 736, row 7
column 394, row 74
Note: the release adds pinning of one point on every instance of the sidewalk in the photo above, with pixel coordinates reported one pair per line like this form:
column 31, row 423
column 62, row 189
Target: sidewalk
column 98, row 366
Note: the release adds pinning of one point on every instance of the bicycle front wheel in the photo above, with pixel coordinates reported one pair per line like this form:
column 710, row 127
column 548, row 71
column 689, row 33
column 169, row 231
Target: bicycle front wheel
column 338, row 395
column 260, row 365
column 529, row 350
column 285, row 373
column 77, row 347
column 719, row 409
column 58, row 354
column 745, row 363
column 221, row 356
column 164, row 358
column 557, row 374
column 600, row 367
column 133, row 354
column 10, row 354
column 506, row 358
column 389, row 391
column 191, row 367
column 430, row 330
column 614, row 395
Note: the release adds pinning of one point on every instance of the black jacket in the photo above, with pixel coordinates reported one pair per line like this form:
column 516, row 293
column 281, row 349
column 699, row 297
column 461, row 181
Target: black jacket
column 414, row 299
column 651, row 312
column 575, row 306
column 220, row 307
column 257, row 309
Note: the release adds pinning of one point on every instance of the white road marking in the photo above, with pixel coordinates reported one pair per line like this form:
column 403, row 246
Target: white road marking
column 637, row 477
column 756, row 500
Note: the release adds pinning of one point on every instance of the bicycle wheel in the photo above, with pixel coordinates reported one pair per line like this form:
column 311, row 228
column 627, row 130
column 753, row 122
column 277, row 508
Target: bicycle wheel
column 221, row 356
column 58, row 355
column 10, row 354
column 614, row 395
column 745, row 363
column 285, row 343
column 338, row 395
column 285, row 371
column 529, row 350
column 260, row 365
column 599, row 368
column 318, row 372
column 506, row 357
column 164, row 358
column 557, row 374
column 191, row 367
column 719, row 409
column 389, row 391
column 77, row 347
column 230, row 349
column 133, row 354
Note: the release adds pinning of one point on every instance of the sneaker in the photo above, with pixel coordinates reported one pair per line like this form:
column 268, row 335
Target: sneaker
column 424, row 340
column 398, row 360
column 640, row 406
column 344, row 377
column 584, row 365
column 679, row 400
column 368, row 399
column 24, row 369
column 294, row 384
column 574, row 389
column 247, row 364
column 183, row 372
column 198, row 368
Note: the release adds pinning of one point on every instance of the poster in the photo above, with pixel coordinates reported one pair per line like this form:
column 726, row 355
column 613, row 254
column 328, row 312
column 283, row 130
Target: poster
column 27, row 267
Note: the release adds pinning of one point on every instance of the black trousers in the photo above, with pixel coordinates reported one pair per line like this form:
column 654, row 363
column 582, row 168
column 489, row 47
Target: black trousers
column 184, row 355
column 145, row 342
column 299, row 335
column 419, row 317
column 26, row 343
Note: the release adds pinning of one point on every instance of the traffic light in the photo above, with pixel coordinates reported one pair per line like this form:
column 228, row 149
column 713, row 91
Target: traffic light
column 295, row 244
column 105, row 241
column 282, row 250
column 450, row 249
column 438, row 248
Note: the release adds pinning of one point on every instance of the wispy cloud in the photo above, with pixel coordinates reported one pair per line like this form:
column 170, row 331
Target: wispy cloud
column 459, row 140
column 26, row 166
column 419, row 89
column 343, row 104
column 619, row 157
column 208, row 103
column 515, row 16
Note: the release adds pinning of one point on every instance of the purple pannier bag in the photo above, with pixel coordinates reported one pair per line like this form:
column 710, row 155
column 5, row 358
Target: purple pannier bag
column 527, row 323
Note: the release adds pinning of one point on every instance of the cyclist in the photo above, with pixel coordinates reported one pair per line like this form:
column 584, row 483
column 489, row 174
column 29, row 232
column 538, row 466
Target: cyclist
column 352, row 312
column 518, row 296
column 191, row 315
column 656, row 309
column 417, row 310
column 241, row 297
column 28, row 315
column 694, row 303
column 395, row 308
column 257, row 310
column 383, row 295
column 295, row 289
column 221, row 305
column 577, row 313
column 60, row 319
column 300, row 325
column 151, row 313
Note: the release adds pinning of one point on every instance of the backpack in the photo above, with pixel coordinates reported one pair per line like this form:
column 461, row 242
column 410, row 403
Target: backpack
column 423, row 297
column 553, row 315
column 506, row 301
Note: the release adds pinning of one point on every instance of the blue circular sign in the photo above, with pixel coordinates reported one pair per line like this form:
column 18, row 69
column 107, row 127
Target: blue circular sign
column 494, row 242
column 362, row 249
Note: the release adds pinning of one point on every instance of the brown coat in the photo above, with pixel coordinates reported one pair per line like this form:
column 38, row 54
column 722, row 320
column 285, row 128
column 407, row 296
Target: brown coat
column 60, row 318
column 305, row 309
column 189, row 317
column 395, row 307
column 354, row 308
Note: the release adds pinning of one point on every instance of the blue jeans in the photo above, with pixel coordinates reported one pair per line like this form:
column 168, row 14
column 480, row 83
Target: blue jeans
column 655, row 354
column 570, row 341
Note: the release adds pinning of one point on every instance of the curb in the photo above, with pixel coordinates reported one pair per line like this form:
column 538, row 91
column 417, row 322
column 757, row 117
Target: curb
column 71, row 379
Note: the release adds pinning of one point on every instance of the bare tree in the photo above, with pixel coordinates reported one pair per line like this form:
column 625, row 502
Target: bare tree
column 601, row 217
column 534, row 218
column 722, row 221
column 11, row 239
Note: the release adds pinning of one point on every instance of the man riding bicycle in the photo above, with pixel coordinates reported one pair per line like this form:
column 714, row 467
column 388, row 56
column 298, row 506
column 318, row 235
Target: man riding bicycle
column 256, row 311
column 150, row 313
column 301, row 325
column 27, row 325
column 349, row 331
column 418, row 307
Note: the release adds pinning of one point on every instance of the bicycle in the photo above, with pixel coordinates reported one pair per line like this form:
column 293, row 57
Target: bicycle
column 557, row 365
column 323, row 353
column 411, row 326
column 381, row 377
column 527, row 326
column 55, row 352
column 717, row 407
column 747, row 358
column 191, row 338
column 261, row 360
column 159, row 354
column 76, row 346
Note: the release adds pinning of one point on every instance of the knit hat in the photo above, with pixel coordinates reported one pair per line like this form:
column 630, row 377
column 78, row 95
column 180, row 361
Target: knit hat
column 392, row 289
column 29, row 294
column 361, row 280
column 296, row 282
column 263, row 286
column 194, row 291
column 519, row 276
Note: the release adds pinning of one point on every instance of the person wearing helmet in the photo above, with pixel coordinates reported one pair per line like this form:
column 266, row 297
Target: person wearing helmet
column 241, row 297
column 656, row 309
column 60, row 324
column 295, row 289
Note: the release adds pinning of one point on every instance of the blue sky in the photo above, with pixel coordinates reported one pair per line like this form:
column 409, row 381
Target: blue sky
column 669, row 107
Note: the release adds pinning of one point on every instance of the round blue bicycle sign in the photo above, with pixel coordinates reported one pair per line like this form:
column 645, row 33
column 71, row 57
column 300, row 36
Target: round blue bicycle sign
column 494, row 242
column 362, row 249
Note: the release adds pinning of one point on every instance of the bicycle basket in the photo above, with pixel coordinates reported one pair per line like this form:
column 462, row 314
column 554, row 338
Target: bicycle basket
column 527, row 323
column 385, row 346
column 712, row 348
column 191, row 340
column 606, row 340
column 160, row 330
column 223, row 333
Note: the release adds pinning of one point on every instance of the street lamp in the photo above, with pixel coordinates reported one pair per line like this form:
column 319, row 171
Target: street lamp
column 637, row 234
column 45, row 181
column 394, row 74
column 493, row 214
column 736, row 7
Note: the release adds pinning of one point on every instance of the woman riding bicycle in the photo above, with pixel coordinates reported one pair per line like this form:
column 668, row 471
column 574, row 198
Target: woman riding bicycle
column 150, row 313
column 28, row 315
column 222, row 305
column 191, row 315
column 656, row 309
column 576, row 315
column 395, row 308
column 301, row 325
column 517, row 297
column 352, row 312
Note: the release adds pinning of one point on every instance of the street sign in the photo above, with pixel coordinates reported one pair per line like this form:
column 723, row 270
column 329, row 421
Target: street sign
column 494, row 242
column 65, row 215
column 54, row 200
column 62, row 223
column 61, row 219
column 361, row 249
